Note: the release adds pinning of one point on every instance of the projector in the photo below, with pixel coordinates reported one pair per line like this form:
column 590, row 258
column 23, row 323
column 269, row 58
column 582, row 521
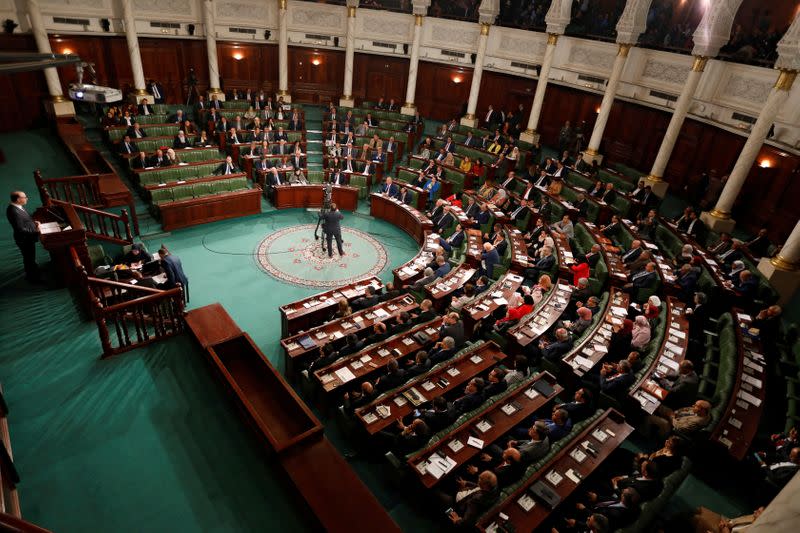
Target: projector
column 94, row 93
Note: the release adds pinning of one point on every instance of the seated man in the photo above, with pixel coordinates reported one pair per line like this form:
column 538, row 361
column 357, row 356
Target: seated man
column 647, row 483
column 565, row 227
column 633, row 252
column 615, row 380
column 228, row 167
column 442, row 415
column 453, row 326
column 127, row 146
column 471, row 503
column 580, row 407
column 368, row 300
column 442, row 267
column 536, row 446
column 687, row 420
column 394, row 377
column 455, row 240
column 682, row 386
column 472, row 398
column 554, row 350
column 495, row 382
column 489, row 258
column 443, row 350
column 425, row 311
column 359, row 397
column 543, row 265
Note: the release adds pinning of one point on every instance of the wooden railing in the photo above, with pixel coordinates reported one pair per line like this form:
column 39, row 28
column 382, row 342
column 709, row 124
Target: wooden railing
column 9, row 500
column 99, row 225
column 129, row 316
column 15, row 524
column 80, row 190
column 150, row 316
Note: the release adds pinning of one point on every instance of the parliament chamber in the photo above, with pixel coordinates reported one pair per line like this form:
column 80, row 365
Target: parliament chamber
column 468, row 265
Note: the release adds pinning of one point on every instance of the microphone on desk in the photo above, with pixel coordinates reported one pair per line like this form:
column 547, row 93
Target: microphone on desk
column 56, row 215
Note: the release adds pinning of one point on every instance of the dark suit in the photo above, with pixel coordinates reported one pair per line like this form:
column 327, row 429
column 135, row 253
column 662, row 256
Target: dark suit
column 25, row 235
column 331, row 224
column 224, row 168
column 488, row 261
column 157, row 91
column 128, row 148
column 609, row 197
column 453, row 241
column 616, row 385
column 390, row 190
column 337, row 178
column 174, row 270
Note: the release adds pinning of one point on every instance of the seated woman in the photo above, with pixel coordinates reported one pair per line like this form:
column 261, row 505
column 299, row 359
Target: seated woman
column 298, row 177
column 514, row 314
column 543, row 286
column 343, row 309
column 580, row 269
column 685, row 257
column 487, row 189
column 556, row 184
column 449, row 159
column 250, row 114
column 477, row 168
column 640, row 334
column 466, row 164
column 172, row 157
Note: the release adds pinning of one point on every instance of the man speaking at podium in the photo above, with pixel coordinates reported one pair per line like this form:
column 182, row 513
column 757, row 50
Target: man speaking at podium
column 331, row 224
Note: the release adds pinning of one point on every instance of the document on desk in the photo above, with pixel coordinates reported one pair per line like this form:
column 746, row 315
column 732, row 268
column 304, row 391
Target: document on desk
column 669, row 363
column 381, row 313
column 677, row 333
column 475, row 443
column 344, row 374
column 49, row 227
column 573, row 476
column 749, row 398
column 755, row 382
column 584, row 362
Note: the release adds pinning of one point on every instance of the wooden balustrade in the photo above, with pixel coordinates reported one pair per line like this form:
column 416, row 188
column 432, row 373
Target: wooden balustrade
column 101, row 225
column 80, row 190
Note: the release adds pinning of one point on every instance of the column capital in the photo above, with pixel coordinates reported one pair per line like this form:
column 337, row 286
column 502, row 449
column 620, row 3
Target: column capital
column 785, row 80
column 591, row 152
column 351, row 12
column 624, row 48
column 552, row 38
column 485, row 28
column 699, row 63
column 58, row 98
column 653, row 177
column 282, row 4
column 418, row 20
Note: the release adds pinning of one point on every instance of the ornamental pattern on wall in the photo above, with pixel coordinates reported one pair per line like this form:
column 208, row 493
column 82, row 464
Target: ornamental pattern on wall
column 668, row 72
column 743, row 88
column 587, row 56
column 314, row 17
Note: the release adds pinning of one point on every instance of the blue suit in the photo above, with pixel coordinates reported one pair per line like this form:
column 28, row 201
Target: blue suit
column 453, row 241
column 391, row 190
column 432, row 189
column 488, row 261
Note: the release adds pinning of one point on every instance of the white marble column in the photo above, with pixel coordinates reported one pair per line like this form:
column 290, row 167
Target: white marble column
column 477, row 72
column 133, row 50
column 58, row 104
column 347, row 99
column 783, row 270
column 283, row 52
column 409, row 108
column 530, row 135
column 655, row 179
column 592, row 152
column 719, row 219
column 211, row 51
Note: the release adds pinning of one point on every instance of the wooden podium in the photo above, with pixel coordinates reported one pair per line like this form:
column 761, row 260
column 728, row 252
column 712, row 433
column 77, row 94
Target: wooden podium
column 62, row 228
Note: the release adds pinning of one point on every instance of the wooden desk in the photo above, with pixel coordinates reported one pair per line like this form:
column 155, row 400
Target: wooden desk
column 413, row 222
column 737, row 427
column 710, row 262
column 594, row 347
column 499, row 216
column 426, row 387
column 421, row 196
column 647, row 392
column 443, row 287
column 209, row 208
column 305, row 313
column 474, row 247
column 371, row 360
column 527, row 401
column 617, row 270
column 542, row 319
column 211, row 324
column 610, row 422
column 408, row 272
column 485, row 304
column 519, row 250
column 58, row 243
column 335, row 330
column 288, row 196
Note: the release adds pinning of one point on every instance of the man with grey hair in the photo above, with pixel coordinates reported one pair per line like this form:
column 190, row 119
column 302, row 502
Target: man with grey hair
column 428, row 276
column 442, row 351
column 453, row 327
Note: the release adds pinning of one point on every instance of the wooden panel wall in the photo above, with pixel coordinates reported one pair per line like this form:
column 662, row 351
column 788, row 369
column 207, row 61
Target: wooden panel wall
column 632, row 136
column 439, row 94
column 315, row 76
column 378, row 76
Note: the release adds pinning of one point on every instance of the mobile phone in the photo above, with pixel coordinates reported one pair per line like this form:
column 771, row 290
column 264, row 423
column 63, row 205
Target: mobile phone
column 447, row 512
column 416, row 413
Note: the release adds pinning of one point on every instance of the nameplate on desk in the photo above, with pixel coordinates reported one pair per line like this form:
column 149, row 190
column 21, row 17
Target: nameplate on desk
column 554, row 478
column 475, row 443
column 600, row 435
column 453, row 372
column 428, row 386
column 531, row 393
column 483, row 426
column 400, row 401
column 370, row 418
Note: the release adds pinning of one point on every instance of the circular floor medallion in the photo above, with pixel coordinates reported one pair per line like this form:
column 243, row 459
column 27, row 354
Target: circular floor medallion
column 293, row 255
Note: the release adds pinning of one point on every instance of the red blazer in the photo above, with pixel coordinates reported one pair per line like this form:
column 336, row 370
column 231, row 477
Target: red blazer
column 579, row 271
column 517, row 312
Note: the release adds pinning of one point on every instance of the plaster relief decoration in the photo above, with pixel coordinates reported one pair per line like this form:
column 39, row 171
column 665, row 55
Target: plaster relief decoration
column 385, row 27
column 522, row 48
column 320, row 19
column 68, row 6
column 243, row 11
column 454, row 36
column 666, row 72
column 595, row 59
column 750, row 89
column 156, row 7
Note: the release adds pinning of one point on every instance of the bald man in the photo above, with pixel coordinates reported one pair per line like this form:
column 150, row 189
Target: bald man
column 26, row 233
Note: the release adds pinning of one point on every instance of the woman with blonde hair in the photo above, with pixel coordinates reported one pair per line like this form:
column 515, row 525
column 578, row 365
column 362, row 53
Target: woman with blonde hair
column 343, row 309
column 466, row 164
column 250, row 114
column 449, row 159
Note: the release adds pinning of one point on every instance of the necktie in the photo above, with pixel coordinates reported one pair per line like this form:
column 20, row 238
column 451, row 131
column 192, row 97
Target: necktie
column 146, row 111
column 127, row 147
column 155, row 92
column 227, row 169
column 278, row 178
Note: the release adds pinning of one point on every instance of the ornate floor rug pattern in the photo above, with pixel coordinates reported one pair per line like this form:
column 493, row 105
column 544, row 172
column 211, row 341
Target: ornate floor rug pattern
column 294, row 256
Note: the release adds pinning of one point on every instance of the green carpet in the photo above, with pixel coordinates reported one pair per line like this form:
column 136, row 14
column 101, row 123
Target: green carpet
column 149, row 440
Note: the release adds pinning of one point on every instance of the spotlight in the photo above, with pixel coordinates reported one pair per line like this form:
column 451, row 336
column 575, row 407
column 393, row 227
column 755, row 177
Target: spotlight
column 336, row 42
column 190, row 29
column 267, row 35
column 405, row 48
column 105, row 24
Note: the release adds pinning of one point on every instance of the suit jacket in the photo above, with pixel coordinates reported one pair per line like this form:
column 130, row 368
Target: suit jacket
column 609, row 197
column 647, row 488
column 390, row 190
column 555, row 350
column 545, row 263
column 444, row 222
column 404, row 197
column 532, row 451
column 174, row 270
column 23, row 224
column 132, row 148
column 221, row 169
column 632, row 255
column 489, row 260
column 618, row 384
column 456, row 239
column 683, row 391
column 644, row 279
column 337, row 178
column 142, row 107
